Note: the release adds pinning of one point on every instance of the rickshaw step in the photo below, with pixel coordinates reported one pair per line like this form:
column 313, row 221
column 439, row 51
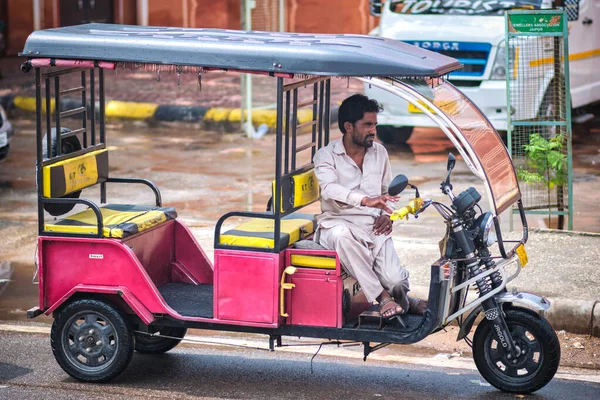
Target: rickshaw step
column 189, row 300
column 371, row 319
column 34, row 312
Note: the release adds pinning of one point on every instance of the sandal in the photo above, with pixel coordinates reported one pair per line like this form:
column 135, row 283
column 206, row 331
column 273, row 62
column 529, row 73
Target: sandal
column 396, row 315
column 417, row 306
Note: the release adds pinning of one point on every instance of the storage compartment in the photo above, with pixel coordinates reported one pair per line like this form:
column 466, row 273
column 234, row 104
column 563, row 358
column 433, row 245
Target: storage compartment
column 323, row 294
column 315, row 299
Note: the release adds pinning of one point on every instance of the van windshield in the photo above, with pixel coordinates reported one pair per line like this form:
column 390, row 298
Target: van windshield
column 462, row 7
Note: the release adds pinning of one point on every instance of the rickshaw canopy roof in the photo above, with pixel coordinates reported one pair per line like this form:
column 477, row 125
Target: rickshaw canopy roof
column 276, row 52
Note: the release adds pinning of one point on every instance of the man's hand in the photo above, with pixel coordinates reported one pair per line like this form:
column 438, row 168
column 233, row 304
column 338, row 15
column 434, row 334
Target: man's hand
column 383, row 225
column 380, row 202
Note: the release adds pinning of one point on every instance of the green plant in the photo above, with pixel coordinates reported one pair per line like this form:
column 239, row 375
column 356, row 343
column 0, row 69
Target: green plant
column 545, row 161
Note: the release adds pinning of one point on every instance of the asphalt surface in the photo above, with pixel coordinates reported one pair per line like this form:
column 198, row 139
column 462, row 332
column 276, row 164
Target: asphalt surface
column 28, row 371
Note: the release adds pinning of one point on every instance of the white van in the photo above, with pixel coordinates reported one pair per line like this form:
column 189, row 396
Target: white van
column 473, row 31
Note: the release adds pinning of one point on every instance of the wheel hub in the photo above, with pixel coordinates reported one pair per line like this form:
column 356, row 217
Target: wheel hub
column 92, row 346
column 90, row 342
column 523, row 357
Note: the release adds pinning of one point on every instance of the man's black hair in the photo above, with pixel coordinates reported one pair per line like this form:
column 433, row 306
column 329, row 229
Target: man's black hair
column 354, row 108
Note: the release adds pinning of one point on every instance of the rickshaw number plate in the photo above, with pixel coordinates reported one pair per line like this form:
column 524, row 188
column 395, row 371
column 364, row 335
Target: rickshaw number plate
column 522, row 254
column 3, row 139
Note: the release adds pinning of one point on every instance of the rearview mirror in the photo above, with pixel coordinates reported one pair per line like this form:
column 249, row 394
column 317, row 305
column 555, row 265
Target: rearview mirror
column 451, row 162
column 375, row 7
column 398, row 185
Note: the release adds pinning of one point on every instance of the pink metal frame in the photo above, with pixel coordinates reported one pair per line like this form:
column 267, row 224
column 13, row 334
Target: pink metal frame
column 51, row 62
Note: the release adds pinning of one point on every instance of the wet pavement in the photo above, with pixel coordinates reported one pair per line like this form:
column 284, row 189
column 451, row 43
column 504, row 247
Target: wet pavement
column 206, row 174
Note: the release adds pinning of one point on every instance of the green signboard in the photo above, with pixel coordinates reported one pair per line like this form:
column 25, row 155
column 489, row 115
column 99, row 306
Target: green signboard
column 538, row 23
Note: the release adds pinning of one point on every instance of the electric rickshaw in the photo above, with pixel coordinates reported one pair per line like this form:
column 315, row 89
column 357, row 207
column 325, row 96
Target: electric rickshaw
column 125, row 277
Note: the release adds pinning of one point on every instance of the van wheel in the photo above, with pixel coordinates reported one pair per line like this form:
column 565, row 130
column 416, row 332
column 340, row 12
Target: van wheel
column 68, row 145
column 91, row 340
column 147, row 344
column 394, row 134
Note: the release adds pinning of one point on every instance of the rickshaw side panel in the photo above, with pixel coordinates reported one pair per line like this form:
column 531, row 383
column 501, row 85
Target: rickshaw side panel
column 70, row 262
column 125, row 299
column 247, row 286
column 155, row 250
column 191, row 259
column 170, row 253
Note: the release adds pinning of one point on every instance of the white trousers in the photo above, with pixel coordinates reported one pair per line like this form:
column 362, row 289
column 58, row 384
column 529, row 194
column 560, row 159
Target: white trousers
column 374, row 264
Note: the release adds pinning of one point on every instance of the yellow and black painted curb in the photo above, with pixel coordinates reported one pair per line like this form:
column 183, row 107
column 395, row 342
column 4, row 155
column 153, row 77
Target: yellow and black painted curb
column 216, row 117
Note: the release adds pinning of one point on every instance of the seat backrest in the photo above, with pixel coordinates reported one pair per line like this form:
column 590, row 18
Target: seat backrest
column 73, row 174
column 298, row 190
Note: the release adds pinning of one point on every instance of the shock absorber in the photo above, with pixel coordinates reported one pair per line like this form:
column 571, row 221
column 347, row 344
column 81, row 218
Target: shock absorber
column 484, row 285
column 487, row 264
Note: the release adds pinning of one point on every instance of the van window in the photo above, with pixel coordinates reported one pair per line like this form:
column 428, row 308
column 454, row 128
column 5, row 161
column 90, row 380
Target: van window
column 464, row 7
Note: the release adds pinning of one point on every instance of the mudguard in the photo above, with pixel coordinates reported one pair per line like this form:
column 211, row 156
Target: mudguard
column 528, row 300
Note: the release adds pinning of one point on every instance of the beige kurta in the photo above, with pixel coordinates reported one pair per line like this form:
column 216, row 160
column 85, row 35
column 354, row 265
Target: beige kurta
column 347, row 227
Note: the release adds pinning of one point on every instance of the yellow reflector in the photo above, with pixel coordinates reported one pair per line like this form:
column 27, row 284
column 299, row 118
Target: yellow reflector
column 522, row 254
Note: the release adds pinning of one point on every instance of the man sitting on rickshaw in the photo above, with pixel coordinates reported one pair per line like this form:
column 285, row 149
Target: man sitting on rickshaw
column 354, row 173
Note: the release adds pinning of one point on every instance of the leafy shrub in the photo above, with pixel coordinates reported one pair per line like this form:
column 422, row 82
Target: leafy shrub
column 545, row 161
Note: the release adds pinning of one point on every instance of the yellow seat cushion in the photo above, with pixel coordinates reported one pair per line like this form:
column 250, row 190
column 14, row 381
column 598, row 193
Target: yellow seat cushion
column 320, row 262
column 259, row 232
column 120, row 220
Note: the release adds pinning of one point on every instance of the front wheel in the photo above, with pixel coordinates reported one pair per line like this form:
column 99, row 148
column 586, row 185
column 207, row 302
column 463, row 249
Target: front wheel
column 91, row 340
column 539, row 359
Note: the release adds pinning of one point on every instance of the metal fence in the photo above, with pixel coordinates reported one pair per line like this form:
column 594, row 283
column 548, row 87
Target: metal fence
column 539, row 118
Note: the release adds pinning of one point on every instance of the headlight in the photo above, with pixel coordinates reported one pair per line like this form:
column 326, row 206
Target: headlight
column 487, row 230
column 499, row 67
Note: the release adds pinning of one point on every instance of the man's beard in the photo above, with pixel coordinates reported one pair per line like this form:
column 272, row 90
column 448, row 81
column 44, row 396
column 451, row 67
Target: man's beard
column 365, row 143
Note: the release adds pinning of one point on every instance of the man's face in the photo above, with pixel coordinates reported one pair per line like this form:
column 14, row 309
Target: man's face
column 364, row 130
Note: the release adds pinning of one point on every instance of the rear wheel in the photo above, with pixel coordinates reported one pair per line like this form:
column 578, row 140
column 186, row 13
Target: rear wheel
column 91, row 340
column 539, row 359
column 145, row 343
column 394, row 134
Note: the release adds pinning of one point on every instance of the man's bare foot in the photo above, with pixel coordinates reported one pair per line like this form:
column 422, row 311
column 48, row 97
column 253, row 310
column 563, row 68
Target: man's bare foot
column 389, row 308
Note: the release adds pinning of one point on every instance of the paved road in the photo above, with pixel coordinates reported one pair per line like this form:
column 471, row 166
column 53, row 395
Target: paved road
column 28, row 371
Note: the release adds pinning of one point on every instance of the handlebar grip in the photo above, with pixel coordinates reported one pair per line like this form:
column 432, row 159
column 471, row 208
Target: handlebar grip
column 412, row 207
column 401, row 213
